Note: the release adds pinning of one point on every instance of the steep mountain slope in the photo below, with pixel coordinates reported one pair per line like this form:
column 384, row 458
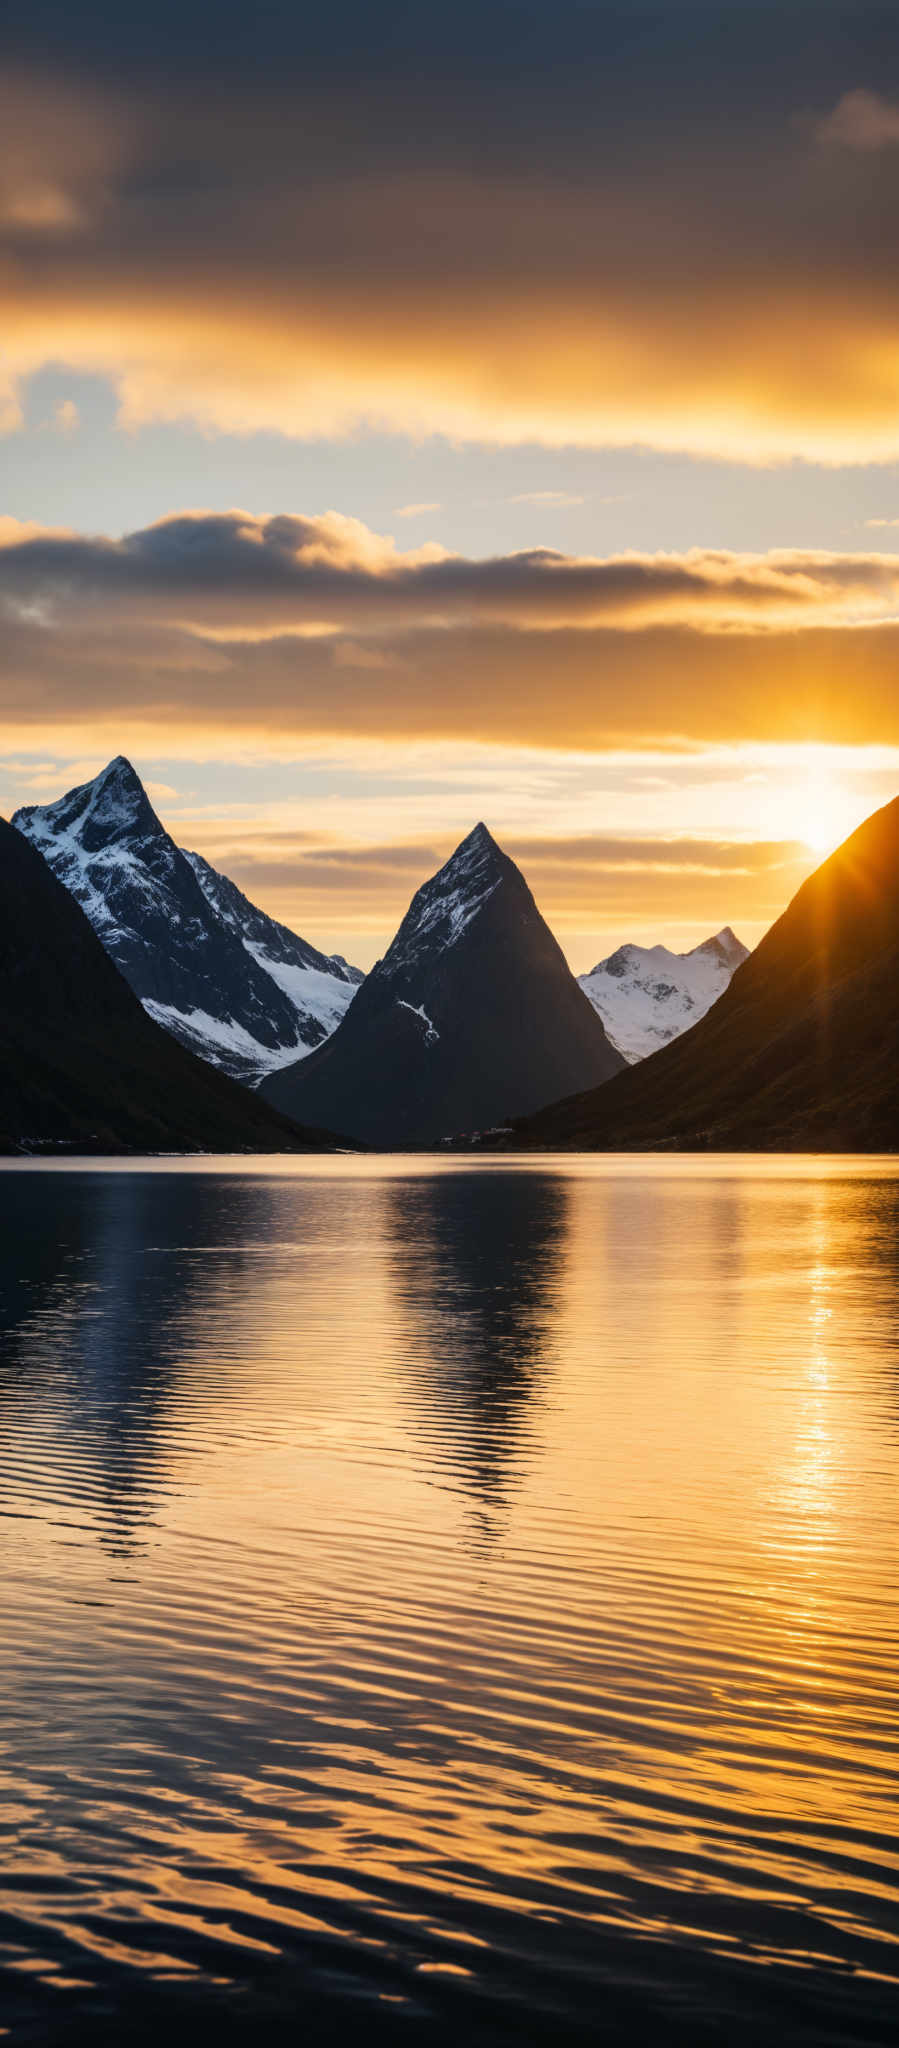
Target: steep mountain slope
column 646, row 995
column 471, row 1017
column 229, row 982
column 81, row 1065
column 801, row 1051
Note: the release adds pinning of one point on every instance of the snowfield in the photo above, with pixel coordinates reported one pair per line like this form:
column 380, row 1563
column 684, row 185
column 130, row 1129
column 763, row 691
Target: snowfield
column 647, row 995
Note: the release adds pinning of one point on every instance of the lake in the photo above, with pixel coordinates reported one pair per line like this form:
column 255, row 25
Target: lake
column 450, row 1601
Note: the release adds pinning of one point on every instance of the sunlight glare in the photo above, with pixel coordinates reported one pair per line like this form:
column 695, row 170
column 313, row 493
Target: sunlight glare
column 825, row 812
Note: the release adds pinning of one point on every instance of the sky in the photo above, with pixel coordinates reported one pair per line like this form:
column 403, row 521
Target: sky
column 413, row 415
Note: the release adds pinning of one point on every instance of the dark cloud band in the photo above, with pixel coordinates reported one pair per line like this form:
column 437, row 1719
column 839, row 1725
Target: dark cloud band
column 301, row 626
column 230, row 572
column 596, row 225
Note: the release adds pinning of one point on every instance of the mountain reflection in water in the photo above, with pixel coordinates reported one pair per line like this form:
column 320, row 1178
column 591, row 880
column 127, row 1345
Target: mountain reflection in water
column 450, row 1599
column 477, row 1262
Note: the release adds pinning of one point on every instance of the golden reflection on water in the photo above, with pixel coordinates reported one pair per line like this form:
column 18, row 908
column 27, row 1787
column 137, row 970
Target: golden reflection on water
column 436, row 1582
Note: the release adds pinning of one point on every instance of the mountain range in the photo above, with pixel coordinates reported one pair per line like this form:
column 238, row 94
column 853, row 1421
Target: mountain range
column 225, row 979
column 473, row 1016
column 471, row 1023
column 82, row 1066
column 802, row 1049
column 647, row 995
column 246, row 992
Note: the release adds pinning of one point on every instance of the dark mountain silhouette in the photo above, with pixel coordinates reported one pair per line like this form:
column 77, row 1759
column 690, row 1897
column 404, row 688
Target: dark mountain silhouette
column 81, row 1064
column 802, row 1050
column 472, row 1017
column 227, row 980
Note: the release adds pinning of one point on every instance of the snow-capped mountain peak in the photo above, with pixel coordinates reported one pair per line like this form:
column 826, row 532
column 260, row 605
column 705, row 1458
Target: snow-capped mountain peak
column 103, row 840
column 114, row 803
column 443, row 908
column 647, row 995
column 227, row 980
column 725, row 946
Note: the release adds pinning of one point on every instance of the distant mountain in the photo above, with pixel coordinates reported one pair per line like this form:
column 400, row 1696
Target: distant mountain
column 229, row 982
column 472, row 1016
column 82, row 1067
column 800, row 1052
column 647, row 996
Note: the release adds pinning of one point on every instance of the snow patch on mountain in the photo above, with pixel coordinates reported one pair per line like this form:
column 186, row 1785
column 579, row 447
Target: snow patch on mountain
column 431, row 1032
column 319, row 986
column 647, row 995
column 315, row 992
column 199, row 1030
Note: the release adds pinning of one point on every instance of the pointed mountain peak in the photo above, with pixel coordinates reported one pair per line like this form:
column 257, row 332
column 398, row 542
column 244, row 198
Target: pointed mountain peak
column 114, row 806
column 723, row 946
column 120, row 772
column 445, row 906
column 476, row 852
column 479, row 839
column 118, row 787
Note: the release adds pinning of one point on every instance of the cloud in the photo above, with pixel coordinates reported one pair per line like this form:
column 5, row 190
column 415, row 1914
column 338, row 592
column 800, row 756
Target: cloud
column 417, row 511
column 599, row 252
column 861, row 120
column 228, row 574
column 629, row 854
column 553, row 499
column 580, row 862
column 291, row 626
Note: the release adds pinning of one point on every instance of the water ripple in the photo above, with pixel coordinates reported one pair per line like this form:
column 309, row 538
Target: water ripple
column 451, row 1600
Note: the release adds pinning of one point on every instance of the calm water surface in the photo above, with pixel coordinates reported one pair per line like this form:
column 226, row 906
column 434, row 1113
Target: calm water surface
column 447, row 1602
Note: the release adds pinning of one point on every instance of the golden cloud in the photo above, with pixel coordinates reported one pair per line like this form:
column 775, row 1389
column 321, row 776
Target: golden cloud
column 704, row 299
column 291, row 626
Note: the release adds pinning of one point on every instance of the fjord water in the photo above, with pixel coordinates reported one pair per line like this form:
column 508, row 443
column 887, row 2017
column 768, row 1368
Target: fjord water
column 450, row 1601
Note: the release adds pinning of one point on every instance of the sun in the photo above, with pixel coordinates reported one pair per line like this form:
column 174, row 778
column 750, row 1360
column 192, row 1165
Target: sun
column 824, row 813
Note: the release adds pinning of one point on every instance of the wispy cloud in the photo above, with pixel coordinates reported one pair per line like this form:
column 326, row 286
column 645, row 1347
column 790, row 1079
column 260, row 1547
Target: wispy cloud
column 861, row 120
column 416, row 511
column 552, row 499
